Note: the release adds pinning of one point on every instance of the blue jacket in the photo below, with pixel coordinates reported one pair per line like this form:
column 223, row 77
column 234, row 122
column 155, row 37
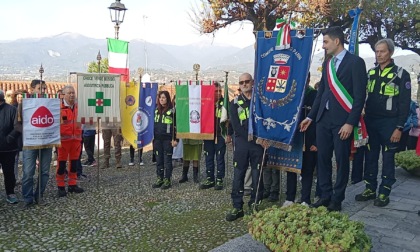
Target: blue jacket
column 412, row 120
column 88, row 133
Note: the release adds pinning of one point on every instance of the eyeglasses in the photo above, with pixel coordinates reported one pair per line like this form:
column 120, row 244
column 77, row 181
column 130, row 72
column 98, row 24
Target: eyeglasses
column 244, row 82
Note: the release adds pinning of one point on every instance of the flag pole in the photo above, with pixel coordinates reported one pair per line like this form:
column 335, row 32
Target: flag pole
column 41, row 71
column 254, row 207
column 227, row 126
column 99, row 58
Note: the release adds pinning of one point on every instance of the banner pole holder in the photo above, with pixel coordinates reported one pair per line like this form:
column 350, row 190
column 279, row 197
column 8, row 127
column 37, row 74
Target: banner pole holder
column 97, row 154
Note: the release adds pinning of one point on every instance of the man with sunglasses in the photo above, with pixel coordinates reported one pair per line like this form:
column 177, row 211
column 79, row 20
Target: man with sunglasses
column 246, row 152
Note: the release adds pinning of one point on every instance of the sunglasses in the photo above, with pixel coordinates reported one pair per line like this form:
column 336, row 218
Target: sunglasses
column 244, row 82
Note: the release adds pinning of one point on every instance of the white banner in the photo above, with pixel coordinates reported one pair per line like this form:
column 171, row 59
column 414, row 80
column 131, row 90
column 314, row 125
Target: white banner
column 98, row 96
column 41, row 122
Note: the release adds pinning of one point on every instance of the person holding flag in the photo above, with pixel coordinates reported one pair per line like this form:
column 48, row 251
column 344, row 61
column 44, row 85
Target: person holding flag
column 164, row 140
column 246, row 152
column 217, row 146
column 337, row 109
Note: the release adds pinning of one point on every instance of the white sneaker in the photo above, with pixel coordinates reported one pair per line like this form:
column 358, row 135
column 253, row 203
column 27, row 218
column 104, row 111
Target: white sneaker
column 131, row 164
column 141, row 163
column 304, row 204
column 287, row 203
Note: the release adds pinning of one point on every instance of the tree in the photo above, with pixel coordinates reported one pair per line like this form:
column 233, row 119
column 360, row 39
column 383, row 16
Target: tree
column 93, row 66
column 394, row 19
column 217, row 14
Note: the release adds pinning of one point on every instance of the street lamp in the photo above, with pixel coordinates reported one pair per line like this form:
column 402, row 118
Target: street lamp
column 196, row 68
column 116, row 16
column 99, row 58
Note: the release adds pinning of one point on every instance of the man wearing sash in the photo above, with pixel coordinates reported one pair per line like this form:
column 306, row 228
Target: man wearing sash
column 336, row 110
column 387, row 108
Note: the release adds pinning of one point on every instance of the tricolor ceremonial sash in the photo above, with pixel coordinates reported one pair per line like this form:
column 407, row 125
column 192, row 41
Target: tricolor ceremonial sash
column 346, row 102
column 195, row 111
column 41, row 123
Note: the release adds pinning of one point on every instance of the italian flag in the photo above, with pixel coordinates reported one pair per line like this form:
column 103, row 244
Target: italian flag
column 195, row 112
column 118, row 58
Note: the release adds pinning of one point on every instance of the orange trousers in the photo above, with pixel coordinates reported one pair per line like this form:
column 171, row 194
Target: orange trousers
column 69, row 150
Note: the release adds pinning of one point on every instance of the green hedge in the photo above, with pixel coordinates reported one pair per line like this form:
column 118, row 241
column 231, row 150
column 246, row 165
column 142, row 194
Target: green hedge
column 300, row 228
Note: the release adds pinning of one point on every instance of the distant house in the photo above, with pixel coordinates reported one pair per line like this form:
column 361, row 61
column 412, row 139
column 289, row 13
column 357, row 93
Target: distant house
column 52, row 87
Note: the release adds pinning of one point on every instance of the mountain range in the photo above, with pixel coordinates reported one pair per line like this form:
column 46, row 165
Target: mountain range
column 69, row 52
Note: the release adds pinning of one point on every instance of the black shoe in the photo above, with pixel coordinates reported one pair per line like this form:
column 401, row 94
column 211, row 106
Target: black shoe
column 334, row 206
column 75, row 189
column 366, row 195
column 158, row 183
column 266, row 195
column 61, row 192
column 207, row 184
column 219, row 185
column 166, row 184
column 381, row 201
column 321, row 202
column 235, row 214
column 27, row 205
column 273, row 198
column 183, row 179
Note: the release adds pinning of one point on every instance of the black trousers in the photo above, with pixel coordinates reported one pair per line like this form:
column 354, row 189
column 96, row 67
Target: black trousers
column 89, row 144
column 308, row 168
column 163, row 150
column 7, row 161
column 328, row 141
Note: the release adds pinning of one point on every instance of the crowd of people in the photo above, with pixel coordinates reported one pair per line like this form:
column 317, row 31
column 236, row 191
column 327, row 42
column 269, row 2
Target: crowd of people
column 381, row 96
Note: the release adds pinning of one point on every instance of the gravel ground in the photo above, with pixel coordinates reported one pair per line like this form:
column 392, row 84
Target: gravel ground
column 124, row 214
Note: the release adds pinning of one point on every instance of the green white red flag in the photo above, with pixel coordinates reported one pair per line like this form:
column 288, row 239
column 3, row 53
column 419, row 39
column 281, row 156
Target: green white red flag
column 195, row 111
column 118, row 58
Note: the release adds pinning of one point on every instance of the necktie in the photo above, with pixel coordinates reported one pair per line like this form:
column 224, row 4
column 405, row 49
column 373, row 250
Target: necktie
column 335, row 62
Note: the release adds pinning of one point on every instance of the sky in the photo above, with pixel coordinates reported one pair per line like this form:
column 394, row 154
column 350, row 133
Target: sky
column 159, row 21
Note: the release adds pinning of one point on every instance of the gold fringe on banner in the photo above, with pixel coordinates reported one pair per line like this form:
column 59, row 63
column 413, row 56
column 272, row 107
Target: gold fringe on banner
column 195, row 136
column 40, row 147
column 284, row 168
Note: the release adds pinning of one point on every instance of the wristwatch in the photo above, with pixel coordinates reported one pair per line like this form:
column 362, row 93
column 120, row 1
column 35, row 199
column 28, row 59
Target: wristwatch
column 400, row 128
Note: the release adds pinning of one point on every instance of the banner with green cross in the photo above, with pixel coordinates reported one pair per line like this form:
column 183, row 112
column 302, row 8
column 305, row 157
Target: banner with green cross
column 98, row 96
column 99, row 102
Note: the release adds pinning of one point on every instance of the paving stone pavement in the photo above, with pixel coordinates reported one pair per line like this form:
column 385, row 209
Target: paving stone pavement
column 395, row 227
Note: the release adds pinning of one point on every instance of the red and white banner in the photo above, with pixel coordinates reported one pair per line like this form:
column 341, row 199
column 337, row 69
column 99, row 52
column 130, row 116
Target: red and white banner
column 41, row 123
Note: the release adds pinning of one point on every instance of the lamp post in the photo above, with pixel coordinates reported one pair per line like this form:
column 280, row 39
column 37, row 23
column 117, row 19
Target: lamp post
column 43, row 87
column 117, row 13
column 99, row 58
column 196, row 68
column 140, row 71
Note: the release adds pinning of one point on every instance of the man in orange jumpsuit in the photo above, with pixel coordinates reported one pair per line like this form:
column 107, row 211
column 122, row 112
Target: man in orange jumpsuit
column 71, row 135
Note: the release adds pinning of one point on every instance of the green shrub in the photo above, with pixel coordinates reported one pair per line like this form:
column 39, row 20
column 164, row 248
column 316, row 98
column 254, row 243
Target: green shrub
column 408, row 160
column 300, row 228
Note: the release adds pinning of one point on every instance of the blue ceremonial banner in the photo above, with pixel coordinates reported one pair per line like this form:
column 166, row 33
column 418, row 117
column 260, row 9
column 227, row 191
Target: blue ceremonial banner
column 354, row 34
column 146, row 113
column 280, row 77
column 290, row 161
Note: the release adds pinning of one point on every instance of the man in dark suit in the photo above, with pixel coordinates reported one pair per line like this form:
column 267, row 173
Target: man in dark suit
column 336, row 110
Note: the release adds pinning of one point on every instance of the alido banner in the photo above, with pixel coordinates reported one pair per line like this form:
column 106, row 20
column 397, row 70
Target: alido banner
column 41, row 123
